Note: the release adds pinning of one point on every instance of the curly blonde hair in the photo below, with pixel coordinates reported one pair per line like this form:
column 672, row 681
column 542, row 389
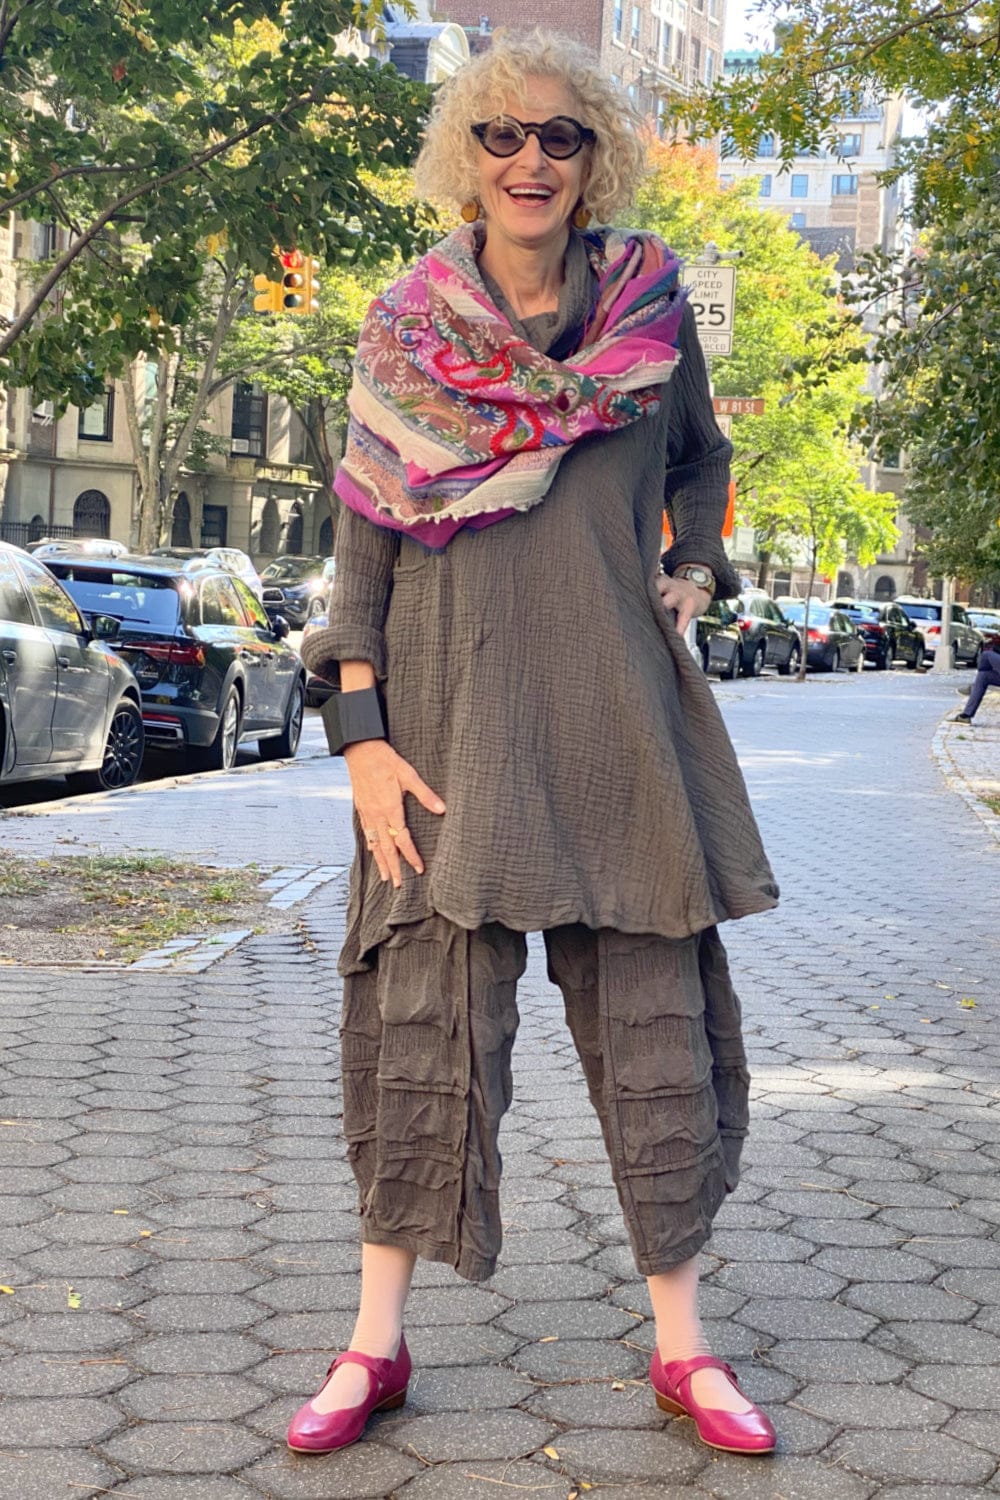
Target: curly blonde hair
column 447, row 167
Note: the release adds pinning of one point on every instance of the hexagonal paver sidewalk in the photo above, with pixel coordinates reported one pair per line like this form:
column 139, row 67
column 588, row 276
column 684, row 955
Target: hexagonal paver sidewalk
column 177, row 1218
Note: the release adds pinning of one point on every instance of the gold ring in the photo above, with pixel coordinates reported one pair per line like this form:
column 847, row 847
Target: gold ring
column 371, row 835
column 395, row 833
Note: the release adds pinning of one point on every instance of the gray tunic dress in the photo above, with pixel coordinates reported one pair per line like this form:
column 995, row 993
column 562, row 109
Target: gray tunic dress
column 535, row 681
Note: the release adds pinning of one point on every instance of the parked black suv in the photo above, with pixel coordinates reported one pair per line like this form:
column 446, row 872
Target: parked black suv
column 213, row 669
column 297, row 587
column 886, row 631
column 768, row 639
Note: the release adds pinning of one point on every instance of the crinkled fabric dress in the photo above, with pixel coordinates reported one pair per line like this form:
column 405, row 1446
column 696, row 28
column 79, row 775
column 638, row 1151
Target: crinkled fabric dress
column 535, row 681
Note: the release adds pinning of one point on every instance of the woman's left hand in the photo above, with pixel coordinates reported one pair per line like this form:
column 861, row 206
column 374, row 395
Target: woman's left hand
column 685, row 597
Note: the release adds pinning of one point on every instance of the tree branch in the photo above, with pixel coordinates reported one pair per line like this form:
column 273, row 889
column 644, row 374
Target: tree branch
column 18, row 326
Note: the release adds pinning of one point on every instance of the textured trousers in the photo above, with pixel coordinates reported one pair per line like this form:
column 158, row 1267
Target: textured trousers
column 427, row 1036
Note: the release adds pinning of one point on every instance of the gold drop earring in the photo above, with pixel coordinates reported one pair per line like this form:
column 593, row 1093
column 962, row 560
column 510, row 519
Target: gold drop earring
column 471, row 211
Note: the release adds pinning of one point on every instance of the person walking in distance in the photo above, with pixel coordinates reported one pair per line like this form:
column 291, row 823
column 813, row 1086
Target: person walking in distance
column 987, row 676
column 530, row 744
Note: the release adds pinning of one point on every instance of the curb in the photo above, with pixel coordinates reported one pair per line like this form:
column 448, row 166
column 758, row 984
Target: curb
column 944, row 753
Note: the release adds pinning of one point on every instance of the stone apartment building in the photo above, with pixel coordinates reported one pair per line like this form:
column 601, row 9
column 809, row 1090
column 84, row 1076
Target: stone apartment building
column 654, row 48
column 75, row 474
column 838, row 205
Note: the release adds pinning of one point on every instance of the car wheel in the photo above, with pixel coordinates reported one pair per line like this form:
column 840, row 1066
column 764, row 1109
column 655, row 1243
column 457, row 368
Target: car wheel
column 220, row 755
column 883, row 661
column 284, row 745
column 835, row 661
column 791, row 666
column 728, row 673
column 317, row 606
column 916, row 661
column 954, row 656
column 755, row 665
column 122, row 753
column 859, row 665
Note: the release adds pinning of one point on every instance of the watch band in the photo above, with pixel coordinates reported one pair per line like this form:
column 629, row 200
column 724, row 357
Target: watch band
column 349, row 717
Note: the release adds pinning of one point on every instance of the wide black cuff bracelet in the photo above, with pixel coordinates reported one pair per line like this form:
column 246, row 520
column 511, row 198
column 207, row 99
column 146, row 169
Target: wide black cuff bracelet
column 349, row 717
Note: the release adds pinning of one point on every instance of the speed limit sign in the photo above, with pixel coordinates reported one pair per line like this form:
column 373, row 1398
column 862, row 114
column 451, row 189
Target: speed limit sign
column 713, row 299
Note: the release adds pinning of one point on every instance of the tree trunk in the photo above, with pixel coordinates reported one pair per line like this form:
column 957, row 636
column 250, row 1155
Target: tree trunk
column 764, row 571
column 805, row 616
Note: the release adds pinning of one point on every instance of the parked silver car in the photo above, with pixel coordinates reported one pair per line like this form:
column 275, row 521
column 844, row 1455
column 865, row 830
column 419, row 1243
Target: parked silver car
column 966, row 641
column 69, row 704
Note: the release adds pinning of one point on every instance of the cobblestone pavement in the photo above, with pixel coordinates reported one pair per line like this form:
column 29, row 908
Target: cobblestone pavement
column 177, row 1218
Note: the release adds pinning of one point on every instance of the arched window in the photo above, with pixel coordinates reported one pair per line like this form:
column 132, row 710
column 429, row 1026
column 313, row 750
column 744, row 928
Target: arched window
column 36, row 529
column 293, row 536
column 326, row 537
column 270, row 529
column 92, row 514
column 781, row 584
column 885, row 587
column 180, row 530
column 845, row 585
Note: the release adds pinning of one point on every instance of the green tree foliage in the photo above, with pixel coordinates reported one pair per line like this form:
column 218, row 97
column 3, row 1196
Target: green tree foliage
column 939, row 350
column 150, row 128
column 795, row 467
column 936, row 308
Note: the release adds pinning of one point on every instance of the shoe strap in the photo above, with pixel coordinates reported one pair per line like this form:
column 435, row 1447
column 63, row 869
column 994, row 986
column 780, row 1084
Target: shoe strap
column 681, row 1370
column 375, row 1366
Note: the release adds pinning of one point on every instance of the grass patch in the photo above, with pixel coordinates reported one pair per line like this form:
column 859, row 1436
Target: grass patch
column 993, row 803
column 116, row 907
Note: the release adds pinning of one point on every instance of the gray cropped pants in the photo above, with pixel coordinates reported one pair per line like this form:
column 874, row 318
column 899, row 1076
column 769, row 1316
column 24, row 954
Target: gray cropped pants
column 427, row 1035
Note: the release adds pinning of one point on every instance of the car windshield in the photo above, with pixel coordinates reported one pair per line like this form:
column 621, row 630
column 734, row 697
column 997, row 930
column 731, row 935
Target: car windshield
column 291, row 569
column 985, row 618
column 928, row 611
column 796, row 612
column 130, row 597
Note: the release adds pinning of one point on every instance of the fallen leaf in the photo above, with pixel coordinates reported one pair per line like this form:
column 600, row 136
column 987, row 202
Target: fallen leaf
column 967, row 1002
column 617, row 1385
column 73, row 1299
column 551, row 1338
column 890, row 997
column 8, row 1290
column 120, row 1211
column 145, row 1234
column 549, row 1452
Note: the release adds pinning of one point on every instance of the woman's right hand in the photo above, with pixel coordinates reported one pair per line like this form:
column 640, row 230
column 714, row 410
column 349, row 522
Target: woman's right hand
column 379, row 781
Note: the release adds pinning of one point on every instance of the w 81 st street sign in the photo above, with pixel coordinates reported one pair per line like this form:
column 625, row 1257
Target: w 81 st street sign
column 713, row 300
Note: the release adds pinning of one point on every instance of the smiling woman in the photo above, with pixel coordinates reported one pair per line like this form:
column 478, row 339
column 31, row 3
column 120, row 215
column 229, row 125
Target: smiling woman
column 526, row 400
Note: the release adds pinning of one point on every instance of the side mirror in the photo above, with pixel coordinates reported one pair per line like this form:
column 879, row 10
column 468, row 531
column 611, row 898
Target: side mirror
column 280, row 628
column 105, row 627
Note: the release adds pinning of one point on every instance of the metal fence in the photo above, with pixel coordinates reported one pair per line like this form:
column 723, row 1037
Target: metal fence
column 23, row 532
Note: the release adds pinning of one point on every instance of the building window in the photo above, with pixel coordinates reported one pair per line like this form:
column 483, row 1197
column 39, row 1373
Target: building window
column 249, row 425
column 765, row 185
column 214, row 520
column 765, row 146
column 180, row 528
column 293, row 533
column 679, row 59
column 713, row 10
column 781, row 583
column 845, row 185
column 696, row 55
column 885, row 587
column 96, row 423
column 850, row 145
column 619, row 21
column 797, row 221
column 725, row 179
column 709, row 69
column 92, row 514
column 890, row 459
column 800, row 185
column 636, row 25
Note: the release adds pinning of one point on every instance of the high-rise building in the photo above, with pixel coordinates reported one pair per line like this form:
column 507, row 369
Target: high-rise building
column 656, row 49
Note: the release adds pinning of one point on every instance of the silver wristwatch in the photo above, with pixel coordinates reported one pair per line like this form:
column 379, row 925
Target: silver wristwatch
column 701, row 577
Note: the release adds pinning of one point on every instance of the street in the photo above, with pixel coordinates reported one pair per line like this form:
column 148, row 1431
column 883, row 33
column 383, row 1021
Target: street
column 179, row 1238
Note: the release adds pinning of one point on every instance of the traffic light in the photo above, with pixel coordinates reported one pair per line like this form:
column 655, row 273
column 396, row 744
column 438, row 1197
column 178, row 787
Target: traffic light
column 297, row 291
column 298, row 283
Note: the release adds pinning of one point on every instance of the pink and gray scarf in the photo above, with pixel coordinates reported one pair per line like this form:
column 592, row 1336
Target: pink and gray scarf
column 457, row 421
